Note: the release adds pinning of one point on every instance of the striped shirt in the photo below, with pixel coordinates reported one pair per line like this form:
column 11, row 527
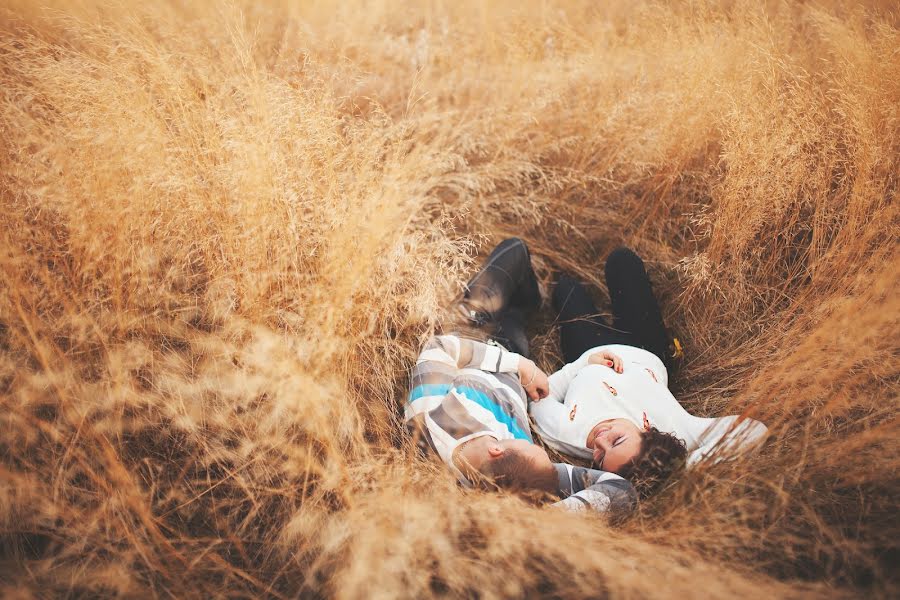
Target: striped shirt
column 462, row 389
column 590, row 489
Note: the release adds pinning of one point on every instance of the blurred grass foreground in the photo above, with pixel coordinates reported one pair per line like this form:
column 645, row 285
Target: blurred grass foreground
column 227, row 227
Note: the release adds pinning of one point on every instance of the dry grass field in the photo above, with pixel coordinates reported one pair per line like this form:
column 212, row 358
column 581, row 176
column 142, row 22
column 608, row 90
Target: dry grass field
column 226, row 228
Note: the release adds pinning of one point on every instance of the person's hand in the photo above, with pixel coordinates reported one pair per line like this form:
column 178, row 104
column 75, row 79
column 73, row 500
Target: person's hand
column 534, row 380
column 607, row 359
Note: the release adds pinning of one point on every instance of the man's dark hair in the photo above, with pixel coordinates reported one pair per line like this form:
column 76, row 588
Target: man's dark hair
column 514, row 471
column 661, row 455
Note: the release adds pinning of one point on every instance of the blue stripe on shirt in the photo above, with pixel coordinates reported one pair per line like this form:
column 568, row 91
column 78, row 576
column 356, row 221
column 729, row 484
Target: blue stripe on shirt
column 429, row 389
column 479, row 398
column 487, row 403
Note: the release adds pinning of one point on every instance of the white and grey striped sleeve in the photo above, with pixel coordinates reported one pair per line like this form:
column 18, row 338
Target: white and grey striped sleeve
column 590, row 489
column 465, row 353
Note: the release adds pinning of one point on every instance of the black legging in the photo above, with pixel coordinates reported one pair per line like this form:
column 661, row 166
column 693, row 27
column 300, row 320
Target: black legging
column 637, row 320
column 501, row 293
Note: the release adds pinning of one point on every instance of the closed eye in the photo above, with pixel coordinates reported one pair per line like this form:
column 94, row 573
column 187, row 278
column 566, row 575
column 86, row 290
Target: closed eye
column 619, row 441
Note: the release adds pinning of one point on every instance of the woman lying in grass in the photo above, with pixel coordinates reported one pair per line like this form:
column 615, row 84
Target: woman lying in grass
column 610, row 403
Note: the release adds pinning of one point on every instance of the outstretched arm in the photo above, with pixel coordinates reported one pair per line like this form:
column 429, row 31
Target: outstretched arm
column 590, row 489
column 726, row 437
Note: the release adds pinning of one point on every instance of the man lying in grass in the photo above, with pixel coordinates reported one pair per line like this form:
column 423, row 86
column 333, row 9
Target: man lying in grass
column 611, row 403
column 468, row 405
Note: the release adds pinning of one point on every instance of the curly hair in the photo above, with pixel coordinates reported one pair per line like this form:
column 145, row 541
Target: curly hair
column 661, row 455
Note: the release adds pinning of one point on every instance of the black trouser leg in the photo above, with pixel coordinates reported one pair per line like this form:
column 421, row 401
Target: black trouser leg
column 581, row 327
column 637, row 320
column 634, row 307
column 502, row 292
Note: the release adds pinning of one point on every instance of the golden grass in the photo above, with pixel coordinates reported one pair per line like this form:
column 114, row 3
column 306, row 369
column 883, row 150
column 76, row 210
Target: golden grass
column 228, row 226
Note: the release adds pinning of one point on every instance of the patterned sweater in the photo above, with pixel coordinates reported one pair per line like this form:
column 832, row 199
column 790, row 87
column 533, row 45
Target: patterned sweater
column 462, row 389
column 583, row 394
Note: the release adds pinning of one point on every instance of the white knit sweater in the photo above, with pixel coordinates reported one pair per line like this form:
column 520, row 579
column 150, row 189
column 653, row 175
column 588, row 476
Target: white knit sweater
column 582, row 395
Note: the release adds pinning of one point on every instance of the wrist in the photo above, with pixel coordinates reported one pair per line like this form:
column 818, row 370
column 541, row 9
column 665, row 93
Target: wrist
column 529, row 373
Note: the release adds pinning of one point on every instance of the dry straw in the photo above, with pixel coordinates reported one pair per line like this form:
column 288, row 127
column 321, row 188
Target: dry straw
column 226, row 227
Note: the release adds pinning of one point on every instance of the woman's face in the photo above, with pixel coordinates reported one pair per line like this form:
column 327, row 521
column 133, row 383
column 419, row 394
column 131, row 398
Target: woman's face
column 615, row 443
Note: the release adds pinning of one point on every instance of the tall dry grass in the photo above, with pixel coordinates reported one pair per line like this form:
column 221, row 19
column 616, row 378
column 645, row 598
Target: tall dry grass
column 227, row 227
